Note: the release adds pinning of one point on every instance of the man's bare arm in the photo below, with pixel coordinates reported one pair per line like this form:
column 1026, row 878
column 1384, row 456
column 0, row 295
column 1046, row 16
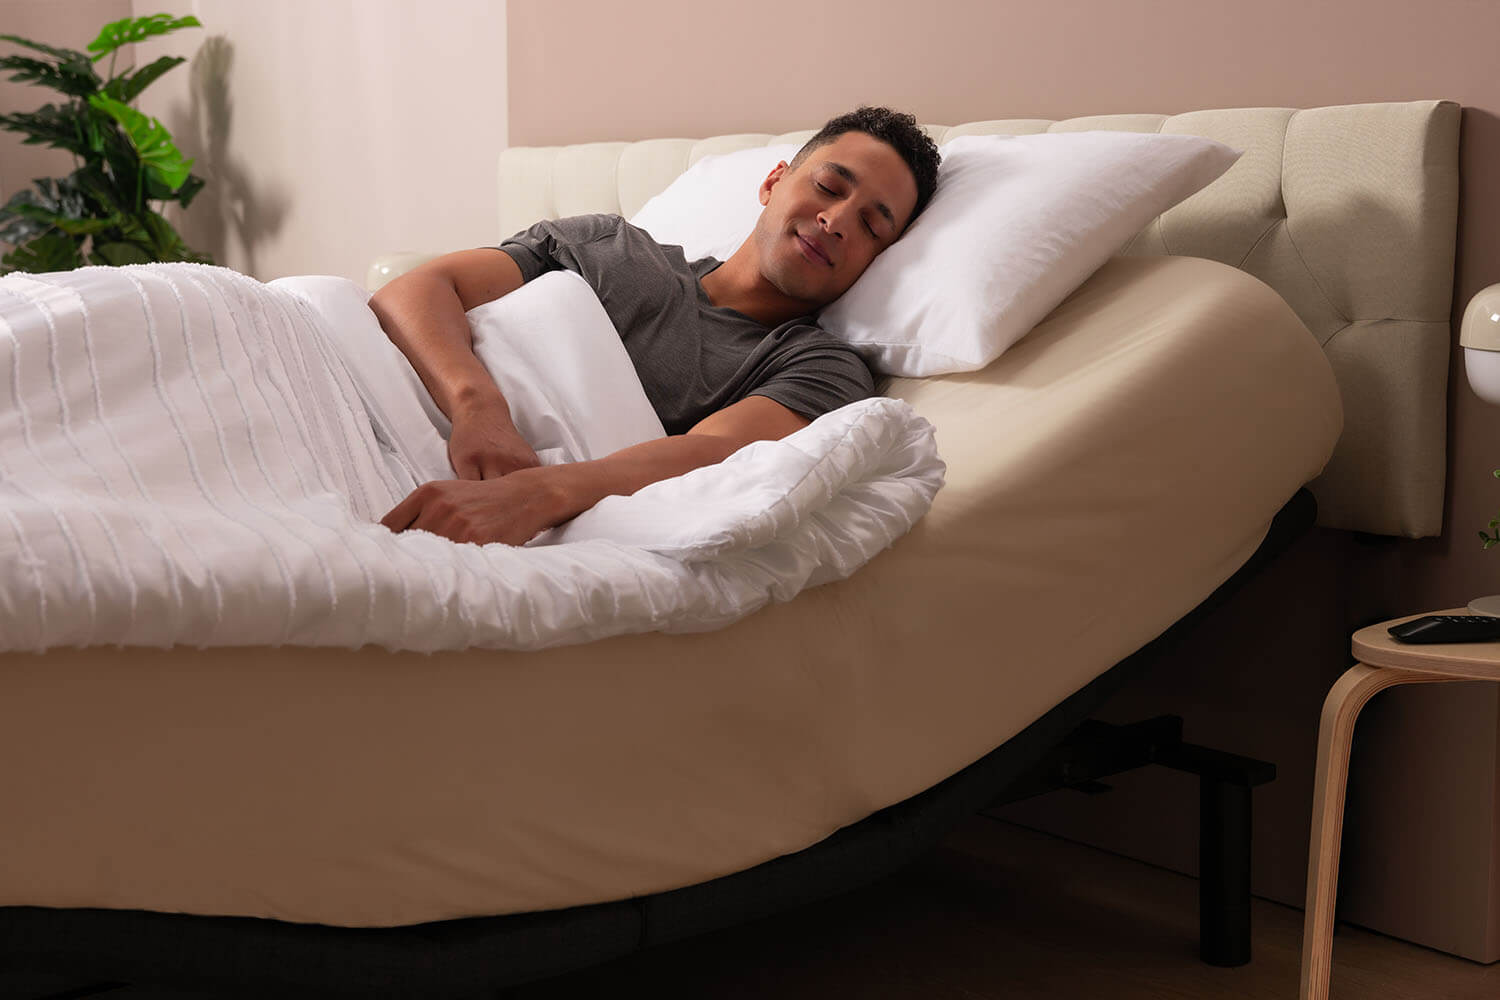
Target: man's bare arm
column 516, row 508
column 713, row 439
column 422, row 311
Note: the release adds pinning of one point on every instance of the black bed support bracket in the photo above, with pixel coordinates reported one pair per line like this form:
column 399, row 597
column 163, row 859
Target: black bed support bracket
column 1099, row 749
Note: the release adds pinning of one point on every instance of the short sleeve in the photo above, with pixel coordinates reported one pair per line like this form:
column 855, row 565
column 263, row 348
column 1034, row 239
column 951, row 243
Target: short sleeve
column 817, row 377
column 550, row 245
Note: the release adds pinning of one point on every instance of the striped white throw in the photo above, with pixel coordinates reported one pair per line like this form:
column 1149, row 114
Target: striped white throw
column 184, row 459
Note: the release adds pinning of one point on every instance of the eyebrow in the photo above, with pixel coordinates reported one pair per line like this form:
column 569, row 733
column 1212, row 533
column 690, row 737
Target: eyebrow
column 848, row 175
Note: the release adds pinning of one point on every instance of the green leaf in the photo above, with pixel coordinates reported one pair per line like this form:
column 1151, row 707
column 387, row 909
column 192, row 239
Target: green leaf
column 51, row 205
column 49, row 200
column 49, row 252
column 152, row 141
column 157, row 191
column 95, row 185
column 118, row 254
column 189, row 190
column 127, row 86
column 56, row 53
column 134, row 29
column 46, row 216
column 17, row 229
column 86, row 227
column 73, row 79
column 49, row 125
column 165, row 241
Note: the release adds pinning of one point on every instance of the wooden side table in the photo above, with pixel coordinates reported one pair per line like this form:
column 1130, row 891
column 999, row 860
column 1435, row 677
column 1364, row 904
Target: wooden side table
column 1383, row 662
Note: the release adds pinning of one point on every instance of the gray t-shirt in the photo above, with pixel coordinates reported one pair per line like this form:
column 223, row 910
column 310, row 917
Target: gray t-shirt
column 693, row 357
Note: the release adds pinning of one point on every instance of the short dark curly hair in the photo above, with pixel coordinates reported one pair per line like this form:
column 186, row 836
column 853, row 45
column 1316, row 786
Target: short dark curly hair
column 896, row 129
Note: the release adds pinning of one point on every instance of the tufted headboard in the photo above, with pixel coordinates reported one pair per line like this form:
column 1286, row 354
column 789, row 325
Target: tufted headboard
column 1349, row 212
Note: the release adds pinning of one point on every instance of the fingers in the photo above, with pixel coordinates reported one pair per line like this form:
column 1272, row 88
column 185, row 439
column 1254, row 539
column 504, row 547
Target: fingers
column 405, row 513
column 505, row 510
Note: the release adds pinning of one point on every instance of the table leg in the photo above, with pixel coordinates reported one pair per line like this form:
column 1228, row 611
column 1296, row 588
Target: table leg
column 1335, row 733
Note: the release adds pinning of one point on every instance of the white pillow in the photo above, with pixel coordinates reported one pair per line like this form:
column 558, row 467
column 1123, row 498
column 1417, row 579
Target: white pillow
column 1017, row 223
column 549, row 345
column 711, row 208
column 563, row 368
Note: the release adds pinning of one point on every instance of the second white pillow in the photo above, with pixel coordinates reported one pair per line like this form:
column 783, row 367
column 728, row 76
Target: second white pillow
column 711, row 208
column 1017, row 223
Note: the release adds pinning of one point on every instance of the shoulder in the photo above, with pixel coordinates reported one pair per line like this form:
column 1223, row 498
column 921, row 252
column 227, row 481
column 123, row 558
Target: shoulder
column 586, row 228
column 614, row 230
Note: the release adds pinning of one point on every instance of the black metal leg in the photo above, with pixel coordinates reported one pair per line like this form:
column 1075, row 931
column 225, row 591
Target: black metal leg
column 1223, row 872
column 1225, row 782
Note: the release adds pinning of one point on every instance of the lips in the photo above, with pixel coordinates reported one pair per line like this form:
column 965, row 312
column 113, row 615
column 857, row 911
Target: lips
column 813, row 250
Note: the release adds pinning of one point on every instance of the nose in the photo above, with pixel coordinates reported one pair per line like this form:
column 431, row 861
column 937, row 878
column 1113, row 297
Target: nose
column 832, row 221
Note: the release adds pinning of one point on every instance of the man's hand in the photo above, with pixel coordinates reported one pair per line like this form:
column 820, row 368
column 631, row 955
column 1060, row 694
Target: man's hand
column 423, row 312
column 512, row 509
column 516, row 507
column 485, row 444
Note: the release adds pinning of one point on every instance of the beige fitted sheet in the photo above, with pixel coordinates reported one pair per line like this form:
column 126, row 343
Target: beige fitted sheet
column 1105, row 475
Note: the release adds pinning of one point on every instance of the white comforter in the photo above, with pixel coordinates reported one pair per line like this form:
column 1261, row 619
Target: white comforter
column 185, row 459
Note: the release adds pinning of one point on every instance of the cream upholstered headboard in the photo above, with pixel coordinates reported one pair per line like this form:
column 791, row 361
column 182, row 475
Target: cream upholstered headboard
column 1349, row 212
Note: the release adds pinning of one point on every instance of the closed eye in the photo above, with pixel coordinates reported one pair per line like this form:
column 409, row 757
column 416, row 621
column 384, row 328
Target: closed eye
column 834, row 194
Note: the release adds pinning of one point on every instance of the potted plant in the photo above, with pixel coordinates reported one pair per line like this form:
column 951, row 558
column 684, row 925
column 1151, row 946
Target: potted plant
column 102, row 212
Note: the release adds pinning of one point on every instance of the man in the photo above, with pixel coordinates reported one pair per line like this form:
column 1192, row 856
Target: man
column 727, row 352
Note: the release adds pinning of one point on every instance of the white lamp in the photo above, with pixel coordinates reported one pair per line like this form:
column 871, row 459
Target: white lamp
column 1479, row 336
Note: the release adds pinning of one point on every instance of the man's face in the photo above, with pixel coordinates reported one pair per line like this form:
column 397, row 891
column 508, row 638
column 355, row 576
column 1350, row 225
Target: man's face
column 826, row 221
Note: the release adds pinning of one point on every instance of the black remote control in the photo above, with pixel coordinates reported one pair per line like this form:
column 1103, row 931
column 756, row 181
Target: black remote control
column 1447, row 628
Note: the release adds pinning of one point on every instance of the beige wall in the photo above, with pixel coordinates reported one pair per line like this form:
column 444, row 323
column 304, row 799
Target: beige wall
column 1425, row 764
column 335, row 130
column 329, row 131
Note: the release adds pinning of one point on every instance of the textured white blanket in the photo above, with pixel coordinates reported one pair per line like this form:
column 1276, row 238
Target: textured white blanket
column 184, row 459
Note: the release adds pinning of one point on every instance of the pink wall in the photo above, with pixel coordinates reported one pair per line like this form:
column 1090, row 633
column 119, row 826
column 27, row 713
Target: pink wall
column 1425, row 765
column 592, row 70
column 71, row 26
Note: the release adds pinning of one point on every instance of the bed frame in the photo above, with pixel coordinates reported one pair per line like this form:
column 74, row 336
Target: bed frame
column 235, row 956
column 1348, row 212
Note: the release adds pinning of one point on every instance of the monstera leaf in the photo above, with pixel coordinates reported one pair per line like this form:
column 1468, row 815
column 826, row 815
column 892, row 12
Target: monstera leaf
column 135, row 29
column 151, row 140
column 127, row 86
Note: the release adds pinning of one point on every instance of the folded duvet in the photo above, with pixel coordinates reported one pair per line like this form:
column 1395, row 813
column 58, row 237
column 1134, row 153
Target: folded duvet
column 186, row 458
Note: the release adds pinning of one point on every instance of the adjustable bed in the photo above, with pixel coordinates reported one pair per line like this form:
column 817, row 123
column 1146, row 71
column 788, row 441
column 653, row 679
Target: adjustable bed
column 364, row 822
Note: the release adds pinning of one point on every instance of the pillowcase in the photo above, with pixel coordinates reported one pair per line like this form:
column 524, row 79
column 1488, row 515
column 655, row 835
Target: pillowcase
column 1017, row 223
column 712, row 207
column 563, row 368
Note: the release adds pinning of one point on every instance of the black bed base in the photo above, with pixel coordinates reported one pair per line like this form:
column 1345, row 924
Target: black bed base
column 237, row 956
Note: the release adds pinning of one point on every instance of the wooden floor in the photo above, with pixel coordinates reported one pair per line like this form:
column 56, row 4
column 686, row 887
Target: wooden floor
column 1002, row 912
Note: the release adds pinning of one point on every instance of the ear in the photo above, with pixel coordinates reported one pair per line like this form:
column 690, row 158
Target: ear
column 777, row 172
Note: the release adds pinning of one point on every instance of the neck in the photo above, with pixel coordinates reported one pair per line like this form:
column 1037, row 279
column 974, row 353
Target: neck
column 738, row 284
